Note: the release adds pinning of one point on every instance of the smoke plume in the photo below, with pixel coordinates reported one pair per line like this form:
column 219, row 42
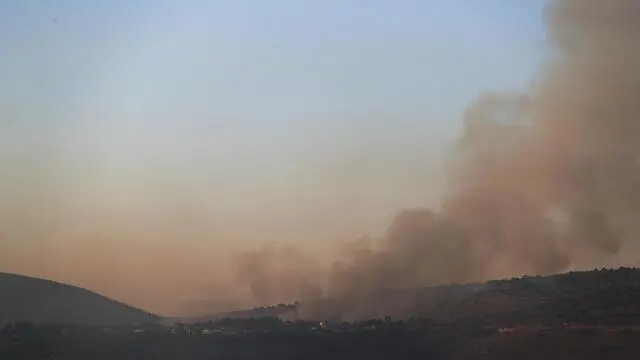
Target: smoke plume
column 538, row 182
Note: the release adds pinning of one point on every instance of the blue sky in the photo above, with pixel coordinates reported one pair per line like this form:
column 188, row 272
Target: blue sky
column 311, row 119
column 282, row 57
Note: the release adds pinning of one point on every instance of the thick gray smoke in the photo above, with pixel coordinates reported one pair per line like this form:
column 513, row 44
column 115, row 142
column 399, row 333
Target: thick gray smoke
column 539, row 182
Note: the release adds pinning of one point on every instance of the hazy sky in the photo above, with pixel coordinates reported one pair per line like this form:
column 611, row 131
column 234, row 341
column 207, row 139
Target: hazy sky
column 239, row 120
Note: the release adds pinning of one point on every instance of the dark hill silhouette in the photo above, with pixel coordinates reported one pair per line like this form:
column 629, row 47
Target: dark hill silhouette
column 576, row 296
column 283, row 311
column 24, row 298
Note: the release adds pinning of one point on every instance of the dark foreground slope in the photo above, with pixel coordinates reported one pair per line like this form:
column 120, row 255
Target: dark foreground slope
column 24, row 298
column 273, row 340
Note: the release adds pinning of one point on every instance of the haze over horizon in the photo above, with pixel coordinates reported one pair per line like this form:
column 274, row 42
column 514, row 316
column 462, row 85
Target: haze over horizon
column 151, row 149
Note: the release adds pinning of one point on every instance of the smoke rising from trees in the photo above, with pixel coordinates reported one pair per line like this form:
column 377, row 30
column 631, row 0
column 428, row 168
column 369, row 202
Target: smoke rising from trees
column 538, row 182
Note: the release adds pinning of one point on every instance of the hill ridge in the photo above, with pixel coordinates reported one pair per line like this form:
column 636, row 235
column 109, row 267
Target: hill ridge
column 40, row 300
column 511, row 292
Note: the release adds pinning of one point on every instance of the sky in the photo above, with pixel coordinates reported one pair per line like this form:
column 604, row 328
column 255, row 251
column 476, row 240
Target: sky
column 223, row 123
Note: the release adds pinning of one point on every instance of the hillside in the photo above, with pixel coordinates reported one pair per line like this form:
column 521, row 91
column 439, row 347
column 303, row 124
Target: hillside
column 283, row 311
column 590, row 296
column 24, row 298
column 586, row 315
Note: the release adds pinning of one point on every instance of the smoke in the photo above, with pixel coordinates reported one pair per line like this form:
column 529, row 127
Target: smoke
column 538, row 182
column 277, row 273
